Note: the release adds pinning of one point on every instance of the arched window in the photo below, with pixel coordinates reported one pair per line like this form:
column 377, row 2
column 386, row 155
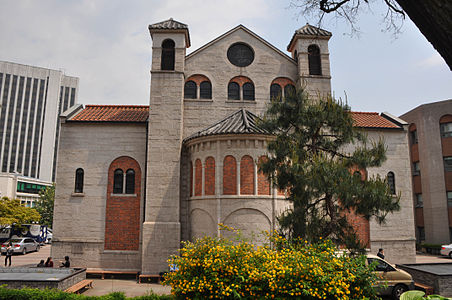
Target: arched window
column 130, row 181
column 205, row 90
column 289, row 90
column 168, row 55
column 79, row 180
column 118, row 180
column 248, row 91
column 190, row 90
column 391, row 182
column 275, row 91
column 233, row 91
column 314, row 60
column 247, row 175
column 198, row 177
column 209, row 176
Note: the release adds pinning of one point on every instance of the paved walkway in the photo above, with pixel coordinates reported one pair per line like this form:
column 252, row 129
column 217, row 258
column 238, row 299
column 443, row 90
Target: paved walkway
column 131, row 288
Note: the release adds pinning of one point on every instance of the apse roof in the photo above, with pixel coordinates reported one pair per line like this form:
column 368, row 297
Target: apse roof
column 240, row 122
column 112, row 113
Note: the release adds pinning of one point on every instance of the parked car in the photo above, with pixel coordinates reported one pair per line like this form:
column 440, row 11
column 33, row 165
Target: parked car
column 446, row 250
column 21, row 245
column 394, row 281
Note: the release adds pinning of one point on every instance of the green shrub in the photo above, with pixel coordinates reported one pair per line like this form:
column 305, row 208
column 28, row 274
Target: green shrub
column 219, row 268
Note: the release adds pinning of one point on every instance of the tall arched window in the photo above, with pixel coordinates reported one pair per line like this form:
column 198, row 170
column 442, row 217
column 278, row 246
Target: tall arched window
column 79, row 174
column 198, row 177
column 229, row 176
column 190, row 90
column 130, row 181
column 168, row 55
column 289, row 90
column 275, row 91
column 118, row 180
column 391, row 182
column 314, row 60
column 248, row 91
column 205, row 90
column 233, row 91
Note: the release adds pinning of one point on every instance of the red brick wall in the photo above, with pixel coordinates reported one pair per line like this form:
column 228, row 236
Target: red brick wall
column 191, row 179
column 283, row 81
column 263, row 185
column 247, row 175
column 198, row 177
column 198, row 78
column 361, row 227
column 229, row 176
column 209, row 176
column 122, row 215
column 240, row 80
column 417, row 185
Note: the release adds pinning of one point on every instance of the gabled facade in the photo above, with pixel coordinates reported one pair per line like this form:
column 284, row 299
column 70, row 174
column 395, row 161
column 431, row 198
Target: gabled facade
column 192, row 162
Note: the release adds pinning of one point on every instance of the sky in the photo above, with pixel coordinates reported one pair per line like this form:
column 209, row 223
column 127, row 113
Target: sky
column 106, row 43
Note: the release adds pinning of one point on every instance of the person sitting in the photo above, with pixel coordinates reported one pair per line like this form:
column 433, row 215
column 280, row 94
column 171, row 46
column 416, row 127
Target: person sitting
column 41, row 264
column 66, row 263
column 381, row 253
column 49, row 262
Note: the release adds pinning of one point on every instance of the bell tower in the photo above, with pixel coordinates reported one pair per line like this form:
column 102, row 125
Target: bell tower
column 309, row 47
column 161, row 227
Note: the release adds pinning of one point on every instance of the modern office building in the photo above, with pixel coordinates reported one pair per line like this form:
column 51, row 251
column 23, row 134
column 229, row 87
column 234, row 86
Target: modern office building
column 431, row 158
column 25, row 189
column 31, row 99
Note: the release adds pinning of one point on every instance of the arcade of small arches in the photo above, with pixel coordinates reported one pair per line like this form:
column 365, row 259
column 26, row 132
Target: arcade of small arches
column 239, row 88
column 239, row 176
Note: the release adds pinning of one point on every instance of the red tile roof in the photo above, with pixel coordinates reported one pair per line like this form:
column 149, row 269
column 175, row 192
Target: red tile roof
column 140, row 113
column 371, row 120
column 113, row 113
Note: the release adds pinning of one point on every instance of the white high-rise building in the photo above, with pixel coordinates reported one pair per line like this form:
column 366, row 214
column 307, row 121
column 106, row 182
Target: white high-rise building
column 31, row 100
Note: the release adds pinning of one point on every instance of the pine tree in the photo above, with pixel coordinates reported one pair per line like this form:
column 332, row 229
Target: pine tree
column 319, row 157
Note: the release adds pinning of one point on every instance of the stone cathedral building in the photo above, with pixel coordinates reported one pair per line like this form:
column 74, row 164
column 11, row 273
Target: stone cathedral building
column 134, row 181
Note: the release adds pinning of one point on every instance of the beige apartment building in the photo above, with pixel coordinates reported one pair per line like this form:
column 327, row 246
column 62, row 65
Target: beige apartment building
column 135, row 181
column 431, row 160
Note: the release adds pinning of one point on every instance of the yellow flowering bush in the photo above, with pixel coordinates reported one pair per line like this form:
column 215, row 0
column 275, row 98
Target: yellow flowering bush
column 217, row 268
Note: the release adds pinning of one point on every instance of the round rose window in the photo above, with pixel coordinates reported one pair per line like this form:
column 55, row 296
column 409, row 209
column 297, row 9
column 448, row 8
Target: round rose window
column 240, row 55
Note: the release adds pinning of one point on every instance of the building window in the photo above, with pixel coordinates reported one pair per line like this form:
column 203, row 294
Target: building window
column 275, row 91
column 289, row 90
column 413, row 135
column 449, row 199
column 391, row 182
column 240, row 55
column 168, row 55
column 248, row 91
column 118, row 180
column 205, row 90
column 314, row 60
column 233, row 91
column 419, row 201
column 421, row 233
column 446, row 130
column 416, row 169
column 79, row 180
column 130, row 181
column 190, row 90
column 448, row 164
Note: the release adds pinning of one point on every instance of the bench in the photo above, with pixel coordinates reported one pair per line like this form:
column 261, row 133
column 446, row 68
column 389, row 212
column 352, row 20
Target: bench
column 76, row 288
column 102, row 273
column 142, row 276
column 423, row 287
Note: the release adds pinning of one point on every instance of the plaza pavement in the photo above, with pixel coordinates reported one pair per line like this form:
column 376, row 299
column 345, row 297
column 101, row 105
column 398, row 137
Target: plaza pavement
column 130, row 287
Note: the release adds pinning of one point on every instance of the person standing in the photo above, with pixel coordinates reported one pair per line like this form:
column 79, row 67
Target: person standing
column 9, row 253
column 381, row 253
